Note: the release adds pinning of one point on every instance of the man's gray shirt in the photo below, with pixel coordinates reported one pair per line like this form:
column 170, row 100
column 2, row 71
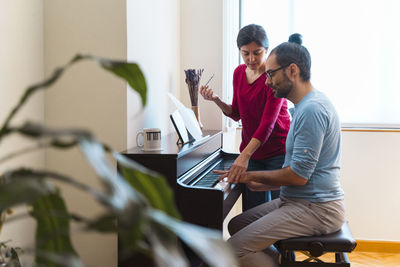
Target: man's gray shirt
column 313, row 149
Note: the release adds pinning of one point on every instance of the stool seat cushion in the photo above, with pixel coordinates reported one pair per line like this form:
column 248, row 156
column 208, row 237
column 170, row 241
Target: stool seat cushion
column 340, row 241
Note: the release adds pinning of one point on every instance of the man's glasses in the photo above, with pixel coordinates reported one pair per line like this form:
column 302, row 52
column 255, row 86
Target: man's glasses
column 269, row 72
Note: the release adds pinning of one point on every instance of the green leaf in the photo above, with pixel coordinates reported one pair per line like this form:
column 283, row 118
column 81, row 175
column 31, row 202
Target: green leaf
column 22, row 191
column 207, row 243
column 127, row 203
column 130, row 200
column 61, row 259
column 104, row 224
column 130, row 72
column 131, row 235
column 18, row 177
column 57, row 73
column 120, row 194
column 155, row 189
column 36, row 130
column 122, row 197
column 27, row 94
column 58, row 138
column 150, row 184
column 52, row 232
column 165, row 246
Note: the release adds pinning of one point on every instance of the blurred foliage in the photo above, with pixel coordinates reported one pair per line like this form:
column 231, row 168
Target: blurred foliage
column 138, row 202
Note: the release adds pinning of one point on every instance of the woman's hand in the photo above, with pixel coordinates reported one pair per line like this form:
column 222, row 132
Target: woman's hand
column 208, row 93
column 238, row 168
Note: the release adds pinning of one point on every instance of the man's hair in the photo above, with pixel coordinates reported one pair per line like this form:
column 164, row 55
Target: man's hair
column 252, row 33
column 294, row 52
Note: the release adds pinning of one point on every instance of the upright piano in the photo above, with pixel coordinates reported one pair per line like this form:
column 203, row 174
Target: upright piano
column 200, row 198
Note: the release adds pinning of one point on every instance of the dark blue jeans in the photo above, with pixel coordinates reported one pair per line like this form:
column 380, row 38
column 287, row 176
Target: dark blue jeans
column 250, row 198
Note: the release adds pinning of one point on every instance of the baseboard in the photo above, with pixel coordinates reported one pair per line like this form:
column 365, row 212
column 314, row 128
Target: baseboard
column 377, row 246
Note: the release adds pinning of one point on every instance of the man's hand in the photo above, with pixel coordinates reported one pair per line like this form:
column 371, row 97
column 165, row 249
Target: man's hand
column 272, row 178
column 244, row 178
column 224, row 176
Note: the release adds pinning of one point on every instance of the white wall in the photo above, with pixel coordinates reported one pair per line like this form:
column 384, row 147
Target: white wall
column 371, row 181
column 202, row 48
column 21, row 64
column 153, row 42
column 87, row 97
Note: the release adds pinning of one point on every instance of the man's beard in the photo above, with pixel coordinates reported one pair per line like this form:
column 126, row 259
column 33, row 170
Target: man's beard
column 283, row 89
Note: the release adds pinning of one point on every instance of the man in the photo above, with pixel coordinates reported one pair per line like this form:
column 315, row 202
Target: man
column 311, row 201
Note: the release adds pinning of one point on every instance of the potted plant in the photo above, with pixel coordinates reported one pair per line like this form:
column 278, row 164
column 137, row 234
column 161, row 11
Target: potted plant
column 138, row 202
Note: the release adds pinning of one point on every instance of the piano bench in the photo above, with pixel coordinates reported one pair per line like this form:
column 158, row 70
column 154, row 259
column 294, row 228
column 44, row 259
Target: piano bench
column 339, row 242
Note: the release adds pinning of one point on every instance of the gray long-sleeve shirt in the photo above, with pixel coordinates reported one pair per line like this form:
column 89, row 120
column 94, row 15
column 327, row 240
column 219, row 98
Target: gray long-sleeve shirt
column 313, row 149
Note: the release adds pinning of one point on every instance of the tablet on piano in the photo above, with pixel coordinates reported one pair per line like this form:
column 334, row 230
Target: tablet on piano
column 179, row 124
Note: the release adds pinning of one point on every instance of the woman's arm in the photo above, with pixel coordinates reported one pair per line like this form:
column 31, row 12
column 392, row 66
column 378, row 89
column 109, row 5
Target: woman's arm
column 242, row 161
column 226, row 109
column 208, row 94
column 270, row 114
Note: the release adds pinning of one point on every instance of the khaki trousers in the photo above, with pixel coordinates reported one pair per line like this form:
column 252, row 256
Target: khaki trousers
column 254, row 232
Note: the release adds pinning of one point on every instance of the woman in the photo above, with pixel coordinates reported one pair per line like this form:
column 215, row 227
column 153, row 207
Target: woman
column 265, row 119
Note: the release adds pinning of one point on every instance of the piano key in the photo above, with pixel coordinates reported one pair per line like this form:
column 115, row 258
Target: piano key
column 222, row 185
column 211, row 178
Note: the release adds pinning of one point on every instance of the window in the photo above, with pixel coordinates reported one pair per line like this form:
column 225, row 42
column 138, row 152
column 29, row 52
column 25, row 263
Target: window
column 231, row 54
column 354, row 47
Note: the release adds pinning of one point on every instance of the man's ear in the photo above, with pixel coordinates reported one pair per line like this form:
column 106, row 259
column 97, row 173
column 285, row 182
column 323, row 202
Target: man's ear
column 293, row 70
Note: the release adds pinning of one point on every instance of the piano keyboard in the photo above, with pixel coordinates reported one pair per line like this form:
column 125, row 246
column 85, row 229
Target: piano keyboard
column 210, row 178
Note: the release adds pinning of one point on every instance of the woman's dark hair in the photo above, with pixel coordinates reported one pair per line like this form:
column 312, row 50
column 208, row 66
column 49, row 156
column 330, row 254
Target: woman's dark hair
column 294, row 52
column 252, row 33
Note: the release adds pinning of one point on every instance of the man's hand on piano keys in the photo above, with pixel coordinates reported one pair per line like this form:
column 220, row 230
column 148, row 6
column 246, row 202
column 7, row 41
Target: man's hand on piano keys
column 235, row 173
column 244, row 178
column 225, row 176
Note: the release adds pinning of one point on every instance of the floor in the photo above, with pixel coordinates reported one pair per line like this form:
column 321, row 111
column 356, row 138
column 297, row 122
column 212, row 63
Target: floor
column 372, row 259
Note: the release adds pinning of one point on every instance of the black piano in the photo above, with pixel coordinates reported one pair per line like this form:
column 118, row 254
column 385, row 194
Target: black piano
column 199, row 197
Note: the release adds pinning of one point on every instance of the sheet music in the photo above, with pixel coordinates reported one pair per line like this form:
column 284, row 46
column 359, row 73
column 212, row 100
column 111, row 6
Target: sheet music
column 189, row 118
